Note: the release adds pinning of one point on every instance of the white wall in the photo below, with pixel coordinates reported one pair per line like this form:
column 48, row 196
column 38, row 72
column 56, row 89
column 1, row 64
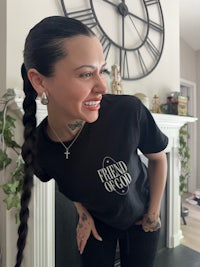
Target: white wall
column 2, row 90
column 190, row 71
column 21, row 17
column 198, row 114
column 187, row 62
column 3, row 46
column 163, row 79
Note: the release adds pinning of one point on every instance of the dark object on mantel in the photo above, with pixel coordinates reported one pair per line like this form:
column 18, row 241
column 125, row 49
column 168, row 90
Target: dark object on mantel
column 176, row 104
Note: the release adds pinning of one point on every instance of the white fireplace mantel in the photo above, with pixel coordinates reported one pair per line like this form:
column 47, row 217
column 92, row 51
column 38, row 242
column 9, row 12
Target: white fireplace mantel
column 40, row 249
column 170, row 125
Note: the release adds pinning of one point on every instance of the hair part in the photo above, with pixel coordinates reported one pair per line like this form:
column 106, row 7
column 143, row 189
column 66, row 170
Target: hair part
column 44, row 45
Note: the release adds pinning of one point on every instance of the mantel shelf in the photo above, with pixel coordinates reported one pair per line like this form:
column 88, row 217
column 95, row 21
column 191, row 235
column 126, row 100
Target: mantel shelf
column 163, row 120
column 168, row 120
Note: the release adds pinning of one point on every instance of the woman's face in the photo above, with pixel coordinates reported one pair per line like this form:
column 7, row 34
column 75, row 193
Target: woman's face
column 75, row 91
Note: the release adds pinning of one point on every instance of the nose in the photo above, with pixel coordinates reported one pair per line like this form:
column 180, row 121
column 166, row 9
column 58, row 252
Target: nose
column 100, row 85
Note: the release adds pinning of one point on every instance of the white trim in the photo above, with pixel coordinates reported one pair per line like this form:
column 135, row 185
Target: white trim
column 44, row 227
column 193, row 94
column 192, row 182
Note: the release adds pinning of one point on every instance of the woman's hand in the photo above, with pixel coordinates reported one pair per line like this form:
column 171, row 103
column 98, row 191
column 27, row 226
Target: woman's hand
column 150, row 222
column 85, row 227
column 157, row 171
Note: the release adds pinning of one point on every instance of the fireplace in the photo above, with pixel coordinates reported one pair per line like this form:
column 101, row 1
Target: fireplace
column 40, row 248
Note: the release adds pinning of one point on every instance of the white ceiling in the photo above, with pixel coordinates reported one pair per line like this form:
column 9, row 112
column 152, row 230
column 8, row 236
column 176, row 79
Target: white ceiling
column 190, row 22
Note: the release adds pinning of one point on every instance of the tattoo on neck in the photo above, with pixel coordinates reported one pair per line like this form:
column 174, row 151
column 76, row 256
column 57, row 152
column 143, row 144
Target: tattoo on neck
column 74, row 126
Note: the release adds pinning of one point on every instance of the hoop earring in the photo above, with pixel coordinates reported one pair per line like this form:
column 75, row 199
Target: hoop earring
column 44, row 100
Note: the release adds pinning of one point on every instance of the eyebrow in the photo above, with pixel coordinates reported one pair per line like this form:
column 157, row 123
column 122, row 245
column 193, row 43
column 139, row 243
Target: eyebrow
column 88, row 66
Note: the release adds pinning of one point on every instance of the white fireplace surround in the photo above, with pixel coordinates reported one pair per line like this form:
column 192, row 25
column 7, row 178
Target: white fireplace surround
column 40, row 249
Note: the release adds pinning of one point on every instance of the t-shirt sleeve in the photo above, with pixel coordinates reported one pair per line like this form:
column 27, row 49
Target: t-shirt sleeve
column 152, row 139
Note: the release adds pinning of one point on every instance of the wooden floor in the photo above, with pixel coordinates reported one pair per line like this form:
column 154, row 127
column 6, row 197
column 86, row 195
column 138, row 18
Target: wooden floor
column 191, row 231
column 188, row 253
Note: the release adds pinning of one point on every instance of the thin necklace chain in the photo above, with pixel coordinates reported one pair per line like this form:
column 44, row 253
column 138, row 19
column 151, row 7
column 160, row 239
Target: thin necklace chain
column 67, row 153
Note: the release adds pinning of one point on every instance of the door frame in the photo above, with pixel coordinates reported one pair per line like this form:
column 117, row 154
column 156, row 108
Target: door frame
column 192, row 127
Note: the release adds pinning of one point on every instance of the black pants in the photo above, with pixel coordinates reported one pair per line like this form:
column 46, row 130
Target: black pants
column 137, row 248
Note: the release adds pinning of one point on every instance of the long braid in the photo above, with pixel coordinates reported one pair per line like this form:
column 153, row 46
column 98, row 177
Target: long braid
column 44, row 46
column 28, row 151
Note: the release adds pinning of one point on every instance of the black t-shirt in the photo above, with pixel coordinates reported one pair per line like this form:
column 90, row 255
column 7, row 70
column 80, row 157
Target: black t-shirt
column 104, row 171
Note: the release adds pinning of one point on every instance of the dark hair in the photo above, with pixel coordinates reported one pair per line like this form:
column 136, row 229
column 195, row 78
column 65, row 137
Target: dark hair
column 43, row 48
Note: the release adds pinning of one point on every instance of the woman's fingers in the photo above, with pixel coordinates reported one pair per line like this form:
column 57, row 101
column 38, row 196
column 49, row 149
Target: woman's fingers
column 83, row 232
column 149, row 224
column 96, row 234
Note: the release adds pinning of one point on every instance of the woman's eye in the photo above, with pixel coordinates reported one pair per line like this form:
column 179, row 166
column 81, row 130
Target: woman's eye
column 104, row 71
column 86, row 75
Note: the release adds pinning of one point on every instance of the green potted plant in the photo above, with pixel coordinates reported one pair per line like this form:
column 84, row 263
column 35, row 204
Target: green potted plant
column 14, row 166
column 184, row 156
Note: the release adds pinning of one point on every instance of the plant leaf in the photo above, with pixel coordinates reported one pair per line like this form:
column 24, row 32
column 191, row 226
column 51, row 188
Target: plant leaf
column 9, row 95
column 4, row 160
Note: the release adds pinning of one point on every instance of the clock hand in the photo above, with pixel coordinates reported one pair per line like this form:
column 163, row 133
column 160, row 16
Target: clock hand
column 139, row 18
column 111, row 3
column 123, row 32
column 131, row 19
column 121, row 8
column 155, row 26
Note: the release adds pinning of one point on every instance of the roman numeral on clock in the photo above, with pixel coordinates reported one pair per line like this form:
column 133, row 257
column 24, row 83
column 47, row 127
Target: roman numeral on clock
column 152, row 48
column 86, row 16
column 106, row 45
column 155, row 26
column 142, row 63
column 124, row 67
column 151, row 2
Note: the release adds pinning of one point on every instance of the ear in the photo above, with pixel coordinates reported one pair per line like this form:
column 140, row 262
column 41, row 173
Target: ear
column 37, row 81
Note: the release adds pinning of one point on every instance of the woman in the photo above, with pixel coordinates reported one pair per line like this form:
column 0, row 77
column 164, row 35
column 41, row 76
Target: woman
column 88, row 143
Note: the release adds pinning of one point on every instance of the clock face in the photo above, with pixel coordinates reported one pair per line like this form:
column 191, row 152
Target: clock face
column 131, row 31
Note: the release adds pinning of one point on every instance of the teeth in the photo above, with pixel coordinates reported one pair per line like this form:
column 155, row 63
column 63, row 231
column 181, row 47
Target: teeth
column 92, row 103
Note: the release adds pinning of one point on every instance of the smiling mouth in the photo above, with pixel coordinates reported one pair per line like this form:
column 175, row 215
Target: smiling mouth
column 92, row 103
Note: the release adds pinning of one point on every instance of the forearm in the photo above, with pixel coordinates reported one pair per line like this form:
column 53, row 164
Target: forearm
column 157, row 169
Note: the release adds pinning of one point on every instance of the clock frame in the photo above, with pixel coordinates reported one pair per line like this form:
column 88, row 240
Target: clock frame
column 132, row 38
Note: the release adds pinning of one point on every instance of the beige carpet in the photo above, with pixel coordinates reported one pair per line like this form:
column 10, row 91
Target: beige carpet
column 191, row 231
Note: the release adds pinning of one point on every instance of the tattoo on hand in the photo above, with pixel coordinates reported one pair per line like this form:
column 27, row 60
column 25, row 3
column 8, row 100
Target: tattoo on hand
column 84, row 217
column 149, row 221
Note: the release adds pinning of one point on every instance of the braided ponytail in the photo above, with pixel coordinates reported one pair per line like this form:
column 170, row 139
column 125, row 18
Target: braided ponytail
column 28, row 152
column 44, row 46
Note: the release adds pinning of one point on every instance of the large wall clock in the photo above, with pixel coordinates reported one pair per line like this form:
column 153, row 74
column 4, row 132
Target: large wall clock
column 131, row 31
